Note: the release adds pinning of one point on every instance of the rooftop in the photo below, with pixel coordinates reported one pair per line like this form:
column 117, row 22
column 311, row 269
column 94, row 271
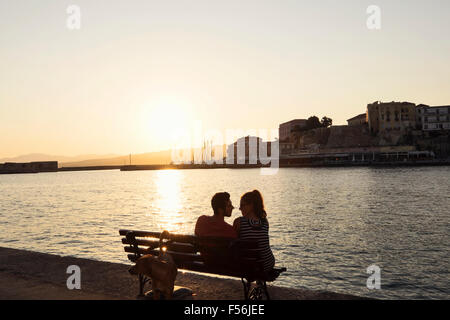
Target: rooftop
column 362, row 115
column 295, row 120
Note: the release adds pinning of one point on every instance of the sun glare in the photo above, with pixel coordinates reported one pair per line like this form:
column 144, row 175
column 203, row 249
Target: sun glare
column 169, row 202
column 167, row 120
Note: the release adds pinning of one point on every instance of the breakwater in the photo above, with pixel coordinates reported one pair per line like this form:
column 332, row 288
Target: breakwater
column 283, row 164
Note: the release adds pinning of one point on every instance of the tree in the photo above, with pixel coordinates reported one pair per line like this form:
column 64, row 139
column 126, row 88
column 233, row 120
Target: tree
column 326, row 122
column 313, row 123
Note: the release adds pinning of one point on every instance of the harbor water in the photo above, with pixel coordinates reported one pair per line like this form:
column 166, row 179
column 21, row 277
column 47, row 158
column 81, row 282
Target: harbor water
column 327, row 225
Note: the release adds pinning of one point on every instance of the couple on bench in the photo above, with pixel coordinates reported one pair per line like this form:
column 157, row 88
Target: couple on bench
column 240, row 250
column 252, row 227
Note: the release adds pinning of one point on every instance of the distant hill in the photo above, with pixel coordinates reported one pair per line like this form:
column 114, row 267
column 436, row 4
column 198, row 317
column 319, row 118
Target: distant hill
column 45, row 157
column 161, row 157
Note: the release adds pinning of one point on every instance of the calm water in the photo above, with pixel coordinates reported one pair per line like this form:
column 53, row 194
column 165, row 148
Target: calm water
column 326, row 225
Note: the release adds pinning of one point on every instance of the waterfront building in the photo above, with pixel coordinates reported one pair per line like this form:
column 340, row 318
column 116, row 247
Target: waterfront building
column 359, row 120
column 45, row 166
column 285, row 129
column 385, row 117
column 246, row 150
column 433, row 118
column 30, row 167
column 355, row 156
column 287, row 147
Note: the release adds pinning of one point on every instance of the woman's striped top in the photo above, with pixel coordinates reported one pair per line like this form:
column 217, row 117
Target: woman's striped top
column 258, row 230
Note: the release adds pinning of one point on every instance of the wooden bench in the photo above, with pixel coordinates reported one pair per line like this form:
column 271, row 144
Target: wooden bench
column 233, row 258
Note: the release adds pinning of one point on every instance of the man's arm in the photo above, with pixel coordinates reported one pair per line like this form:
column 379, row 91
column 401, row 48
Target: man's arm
column 199, row 226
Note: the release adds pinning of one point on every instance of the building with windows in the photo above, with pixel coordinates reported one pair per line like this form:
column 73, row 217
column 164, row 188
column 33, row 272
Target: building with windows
column 250, row 150
column 287, row 147
column 385, row 117
column 433, row 118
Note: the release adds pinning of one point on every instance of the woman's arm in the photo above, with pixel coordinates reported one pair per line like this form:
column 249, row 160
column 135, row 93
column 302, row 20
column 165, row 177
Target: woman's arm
column 237, row 225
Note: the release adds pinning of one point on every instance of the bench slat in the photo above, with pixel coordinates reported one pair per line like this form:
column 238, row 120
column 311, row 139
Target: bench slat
column 137, row 233
column 177, row 256
column 141, row 251
column 173, row 246
column 188, row 239
column 201, row 267
column 180, row 257
column 132, row 258
column 171, row 236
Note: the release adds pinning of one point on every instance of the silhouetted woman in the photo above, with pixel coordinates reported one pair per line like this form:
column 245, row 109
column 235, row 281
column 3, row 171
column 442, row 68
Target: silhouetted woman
column 253, row 226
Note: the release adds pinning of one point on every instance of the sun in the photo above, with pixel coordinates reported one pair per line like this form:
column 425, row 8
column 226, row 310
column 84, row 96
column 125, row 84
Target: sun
column 168, row 117
column 168, row 120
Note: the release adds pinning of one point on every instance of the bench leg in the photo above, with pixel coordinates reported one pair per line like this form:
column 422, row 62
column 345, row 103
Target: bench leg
column 259, row 292
column 142, row 281
column 141, row 285
column 265, row 290
column 246, row 285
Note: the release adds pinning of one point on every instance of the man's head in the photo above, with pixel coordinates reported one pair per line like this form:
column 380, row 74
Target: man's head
column 221, row 204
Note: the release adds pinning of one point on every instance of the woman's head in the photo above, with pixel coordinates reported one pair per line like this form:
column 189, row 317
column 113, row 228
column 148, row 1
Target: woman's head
column 252, row 204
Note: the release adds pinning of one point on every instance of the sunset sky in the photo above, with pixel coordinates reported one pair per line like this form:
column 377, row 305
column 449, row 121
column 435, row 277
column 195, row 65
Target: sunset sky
column 138, row 70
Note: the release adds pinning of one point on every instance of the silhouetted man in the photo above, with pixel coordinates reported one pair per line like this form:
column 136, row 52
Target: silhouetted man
column 215, row 225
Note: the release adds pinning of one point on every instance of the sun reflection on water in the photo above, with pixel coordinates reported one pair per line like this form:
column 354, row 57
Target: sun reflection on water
column 168, row 203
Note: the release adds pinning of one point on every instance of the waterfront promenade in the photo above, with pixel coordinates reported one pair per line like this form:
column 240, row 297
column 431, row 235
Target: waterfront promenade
column 40, row 276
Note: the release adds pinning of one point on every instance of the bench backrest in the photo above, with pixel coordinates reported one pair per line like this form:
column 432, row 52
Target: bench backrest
column 203, row 254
